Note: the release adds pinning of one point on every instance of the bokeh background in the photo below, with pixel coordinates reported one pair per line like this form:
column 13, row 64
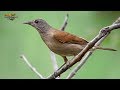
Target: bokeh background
column 17, row 38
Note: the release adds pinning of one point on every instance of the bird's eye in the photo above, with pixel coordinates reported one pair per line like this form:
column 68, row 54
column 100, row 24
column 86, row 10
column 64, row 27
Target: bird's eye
column 36, row 21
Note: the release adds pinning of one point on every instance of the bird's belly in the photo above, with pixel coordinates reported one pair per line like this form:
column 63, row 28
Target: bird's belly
column 67, row 49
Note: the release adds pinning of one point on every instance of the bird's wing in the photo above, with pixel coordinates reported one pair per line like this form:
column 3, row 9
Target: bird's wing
column 65, row 37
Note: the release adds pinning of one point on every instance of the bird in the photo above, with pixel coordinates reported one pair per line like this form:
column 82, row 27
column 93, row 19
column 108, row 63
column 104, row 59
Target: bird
column 60, row 42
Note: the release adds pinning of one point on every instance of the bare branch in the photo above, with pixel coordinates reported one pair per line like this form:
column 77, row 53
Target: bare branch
column 89, row 53
column 31, row 67
column 73, row 72
column 65, row 23
column 103, row 33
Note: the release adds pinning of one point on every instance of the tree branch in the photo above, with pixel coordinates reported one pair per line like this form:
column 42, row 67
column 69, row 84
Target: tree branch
column 89, row 53
column 31, row 67
column 103, row 33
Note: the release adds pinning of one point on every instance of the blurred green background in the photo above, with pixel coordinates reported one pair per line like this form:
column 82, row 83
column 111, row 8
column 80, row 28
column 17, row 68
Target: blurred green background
column 17, row 38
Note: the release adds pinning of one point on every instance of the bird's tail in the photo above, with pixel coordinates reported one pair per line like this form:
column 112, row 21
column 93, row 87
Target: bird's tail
column 110, row 49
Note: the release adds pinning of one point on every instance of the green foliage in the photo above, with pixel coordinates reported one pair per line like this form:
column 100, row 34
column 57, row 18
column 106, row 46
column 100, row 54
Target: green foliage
column 17, row 38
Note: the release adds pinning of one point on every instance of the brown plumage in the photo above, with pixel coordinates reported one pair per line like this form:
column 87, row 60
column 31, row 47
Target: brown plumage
column 60, row 42
column 66, row 37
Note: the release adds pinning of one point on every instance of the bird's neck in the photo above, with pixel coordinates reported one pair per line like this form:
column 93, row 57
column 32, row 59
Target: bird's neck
column 46, row 36
column 44, row 32
column 44, row 29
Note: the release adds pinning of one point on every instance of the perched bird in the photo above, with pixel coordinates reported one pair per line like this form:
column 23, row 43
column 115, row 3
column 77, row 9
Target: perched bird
column 60, row 42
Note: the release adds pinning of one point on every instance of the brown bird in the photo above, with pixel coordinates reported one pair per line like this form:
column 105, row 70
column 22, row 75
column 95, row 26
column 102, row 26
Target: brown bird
column 60, row 42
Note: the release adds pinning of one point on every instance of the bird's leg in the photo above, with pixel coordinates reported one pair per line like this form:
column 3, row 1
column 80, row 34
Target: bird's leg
column 66, row 62
column 65, row 59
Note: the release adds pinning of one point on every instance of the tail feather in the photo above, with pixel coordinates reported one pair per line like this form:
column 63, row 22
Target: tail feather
column 110, row 49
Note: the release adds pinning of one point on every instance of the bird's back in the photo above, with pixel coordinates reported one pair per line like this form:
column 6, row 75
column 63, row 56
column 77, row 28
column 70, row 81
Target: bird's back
column 65, row 37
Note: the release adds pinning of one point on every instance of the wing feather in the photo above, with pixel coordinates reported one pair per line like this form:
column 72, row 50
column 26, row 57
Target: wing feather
column 65, row 37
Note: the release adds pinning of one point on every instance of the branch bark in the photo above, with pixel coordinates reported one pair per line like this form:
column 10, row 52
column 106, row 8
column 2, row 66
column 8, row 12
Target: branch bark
column 103, row 33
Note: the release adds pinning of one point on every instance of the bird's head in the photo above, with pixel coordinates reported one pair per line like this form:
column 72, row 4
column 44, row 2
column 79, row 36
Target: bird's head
column 40, row 24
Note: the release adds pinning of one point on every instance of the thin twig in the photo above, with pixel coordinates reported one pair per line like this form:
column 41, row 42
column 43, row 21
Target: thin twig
column 31, row 67
column 104, row 32
column 65, row 22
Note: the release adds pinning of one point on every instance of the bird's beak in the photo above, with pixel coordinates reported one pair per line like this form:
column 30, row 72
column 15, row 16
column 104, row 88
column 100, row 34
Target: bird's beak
column 29, row 22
